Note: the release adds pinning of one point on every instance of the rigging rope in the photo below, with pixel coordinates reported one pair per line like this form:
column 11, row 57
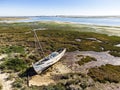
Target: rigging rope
column 39, row 44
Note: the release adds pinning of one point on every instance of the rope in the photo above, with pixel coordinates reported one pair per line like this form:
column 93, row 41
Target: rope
column 36, row 40
column 39, row 44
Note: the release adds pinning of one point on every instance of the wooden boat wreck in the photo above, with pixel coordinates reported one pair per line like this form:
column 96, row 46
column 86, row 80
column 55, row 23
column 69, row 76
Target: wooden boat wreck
column 51, row 59
column 47, row 61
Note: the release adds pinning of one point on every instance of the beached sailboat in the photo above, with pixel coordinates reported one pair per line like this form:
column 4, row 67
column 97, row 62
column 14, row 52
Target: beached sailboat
column 49, row 60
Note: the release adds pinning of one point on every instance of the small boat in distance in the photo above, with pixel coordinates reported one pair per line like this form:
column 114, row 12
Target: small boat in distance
column 51, row 59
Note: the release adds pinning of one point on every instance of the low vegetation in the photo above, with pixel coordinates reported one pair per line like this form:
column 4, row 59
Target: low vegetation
column 105, row 73
column 86, row 60
column 12, row 49
column 16, row 65
column 115, row 53
column 56, row 36
column 1, row 86
column 19, row 38
column 70, row 81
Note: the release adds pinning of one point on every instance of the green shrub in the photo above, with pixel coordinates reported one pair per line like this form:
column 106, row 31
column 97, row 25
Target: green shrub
column 105, row 73
column 58, row 86
column 83, row 85
column 115, row 53
column 15, row 49
column 86, row 60
column 18, row 83
column 14, row 64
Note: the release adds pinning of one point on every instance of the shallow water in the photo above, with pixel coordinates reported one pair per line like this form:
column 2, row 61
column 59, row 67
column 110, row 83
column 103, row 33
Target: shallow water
column 107, row 21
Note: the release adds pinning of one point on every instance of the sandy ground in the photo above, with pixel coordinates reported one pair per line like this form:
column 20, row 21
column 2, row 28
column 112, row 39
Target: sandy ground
column 41, row 80
column 111, row 31
column 3, row 56
column 118, row 45
column 105, row 86
column 6, row 84
column 68, row 64
column 102, row 59
column 46, row 79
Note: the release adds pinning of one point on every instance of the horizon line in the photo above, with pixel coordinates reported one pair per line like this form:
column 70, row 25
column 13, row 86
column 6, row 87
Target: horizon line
column 62, row 15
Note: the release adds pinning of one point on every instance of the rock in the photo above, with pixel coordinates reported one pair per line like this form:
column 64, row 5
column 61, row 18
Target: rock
column 78, row 40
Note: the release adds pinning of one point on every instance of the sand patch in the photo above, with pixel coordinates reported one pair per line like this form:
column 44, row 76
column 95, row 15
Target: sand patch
column 3, row 56
column 6, row 85
column 46, row 78
column 41, row 80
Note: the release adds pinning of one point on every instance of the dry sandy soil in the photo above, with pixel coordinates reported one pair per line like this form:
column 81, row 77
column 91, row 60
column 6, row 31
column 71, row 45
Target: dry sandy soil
column 46, row 79
column 6, row 84
column 67, row 65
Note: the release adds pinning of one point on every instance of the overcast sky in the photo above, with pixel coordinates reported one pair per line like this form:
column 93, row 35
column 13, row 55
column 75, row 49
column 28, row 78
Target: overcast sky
column 59, row 7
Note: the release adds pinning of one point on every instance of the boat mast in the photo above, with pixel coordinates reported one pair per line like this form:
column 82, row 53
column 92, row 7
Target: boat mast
column 38, row 44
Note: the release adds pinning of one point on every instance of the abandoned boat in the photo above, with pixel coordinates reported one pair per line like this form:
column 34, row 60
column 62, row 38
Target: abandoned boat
column 44, row 63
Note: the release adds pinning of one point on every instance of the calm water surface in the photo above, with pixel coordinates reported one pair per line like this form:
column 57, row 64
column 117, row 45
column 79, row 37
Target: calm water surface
column 113, row 21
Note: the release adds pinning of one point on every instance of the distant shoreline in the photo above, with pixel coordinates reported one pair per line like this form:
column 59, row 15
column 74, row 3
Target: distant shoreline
column 79, row 16
column 88, row 20
column 13, row 18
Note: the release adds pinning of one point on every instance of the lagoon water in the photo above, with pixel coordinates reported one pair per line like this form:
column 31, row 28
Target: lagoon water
column 107, row 21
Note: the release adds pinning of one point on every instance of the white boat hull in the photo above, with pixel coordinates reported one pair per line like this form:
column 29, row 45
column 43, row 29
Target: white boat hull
column 44, row 63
